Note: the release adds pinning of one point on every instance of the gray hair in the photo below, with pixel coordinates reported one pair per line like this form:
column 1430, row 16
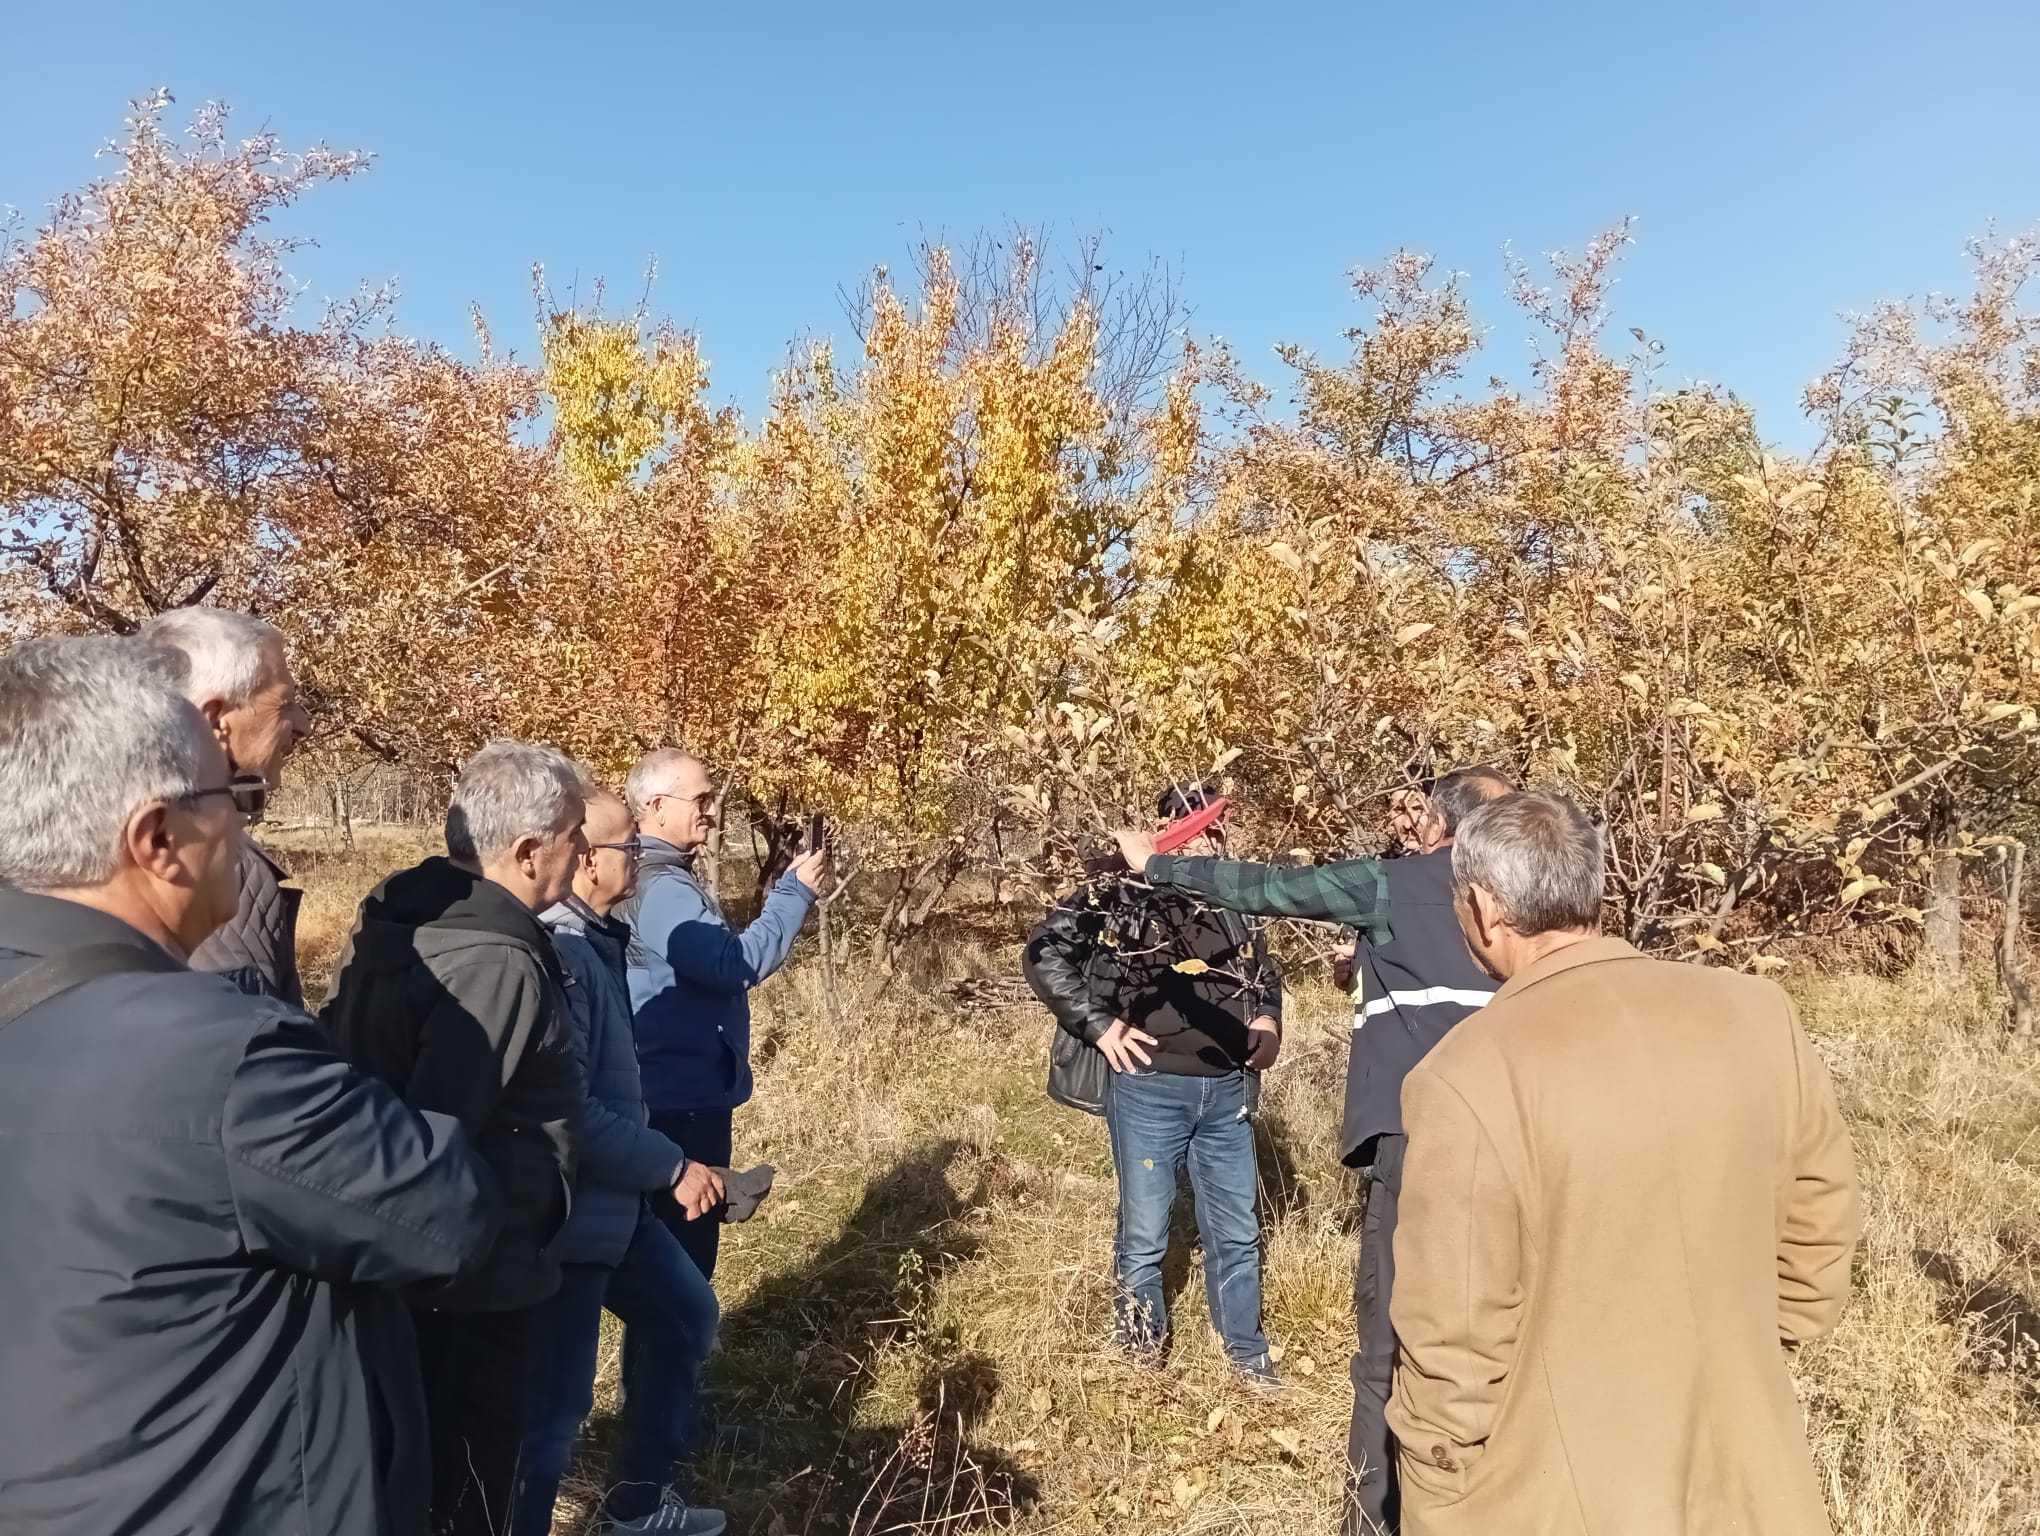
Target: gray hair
column 511, row 790
column 649, row 776
column 1538, row 856
column 224, row 652
column 91, row 730
column 1457, row 794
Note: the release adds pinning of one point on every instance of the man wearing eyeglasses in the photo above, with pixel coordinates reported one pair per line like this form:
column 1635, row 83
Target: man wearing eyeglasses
column 237, row 673
column 614, row 1253
column 207, row 1217
column 691, row 975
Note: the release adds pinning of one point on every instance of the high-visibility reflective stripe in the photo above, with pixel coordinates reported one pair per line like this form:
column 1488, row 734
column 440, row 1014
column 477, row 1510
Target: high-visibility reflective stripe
column 1424, row 997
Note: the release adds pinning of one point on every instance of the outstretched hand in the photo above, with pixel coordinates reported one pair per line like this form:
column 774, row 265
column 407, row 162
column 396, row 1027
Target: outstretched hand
column 1136, row 848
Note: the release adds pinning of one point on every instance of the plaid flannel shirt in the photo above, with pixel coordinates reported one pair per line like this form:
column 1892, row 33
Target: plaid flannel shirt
column 1351, row 891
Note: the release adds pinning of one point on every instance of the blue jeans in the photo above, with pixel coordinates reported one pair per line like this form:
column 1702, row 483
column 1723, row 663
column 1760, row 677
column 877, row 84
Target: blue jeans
column 1158, row 1123
column 671, row 1314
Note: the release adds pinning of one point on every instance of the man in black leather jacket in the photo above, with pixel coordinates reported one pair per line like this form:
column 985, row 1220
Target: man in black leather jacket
column 1181, row 1000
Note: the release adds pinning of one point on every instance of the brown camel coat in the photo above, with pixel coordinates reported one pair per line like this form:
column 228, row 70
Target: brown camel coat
column 1628, row 1192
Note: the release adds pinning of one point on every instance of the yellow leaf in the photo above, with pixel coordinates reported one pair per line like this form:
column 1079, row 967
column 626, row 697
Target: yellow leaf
column 1287, row 1441
column 1980, row 601
column 1704, row 810
column 1191, row 967
column 2003, row 711
column 1224, row 759
column 1608, row 601
column 1286, row 555
column 1411, row 632
column 1215, row 1418
column 1635, row 684
column 1859, row 887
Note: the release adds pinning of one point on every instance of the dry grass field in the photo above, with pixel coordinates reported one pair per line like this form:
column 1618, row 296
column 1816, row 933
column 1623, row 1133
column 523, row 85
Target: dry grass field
column 915, row 1323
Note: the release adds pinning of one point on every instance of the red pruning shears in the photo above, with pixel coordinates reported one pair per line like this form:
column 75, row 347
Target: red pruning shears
column 1184, row 828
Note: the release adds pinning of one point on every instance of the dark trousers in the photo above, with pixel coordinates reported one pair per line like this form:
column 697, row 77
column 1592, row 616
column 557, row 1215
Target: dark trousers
column 669, row 1315
column 474, row 1365
column 704, row 1135
column 1373, row 1491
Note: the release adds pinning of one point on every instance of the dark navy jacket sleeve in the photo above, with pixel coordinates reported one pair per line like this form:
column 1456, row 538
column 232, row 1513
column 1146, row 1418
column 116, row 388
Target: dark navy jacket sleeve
column 699, row 945
column 334, row 1175
column 617, row 1152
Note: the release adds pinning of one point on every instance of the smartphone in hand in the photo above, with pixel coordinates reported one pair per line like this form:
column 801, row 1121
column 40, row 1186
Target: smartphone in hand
column 817, row 834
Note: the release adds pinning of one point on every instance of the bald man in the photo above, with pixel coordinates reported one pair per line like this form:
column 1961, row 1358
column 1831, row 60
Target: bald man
column 691, row 975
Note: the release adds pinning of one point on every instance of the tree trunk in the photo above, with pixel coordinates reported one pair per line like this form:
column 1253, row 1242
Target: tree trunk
column 1943, row 916
column 831, row 998
column 2010, row 969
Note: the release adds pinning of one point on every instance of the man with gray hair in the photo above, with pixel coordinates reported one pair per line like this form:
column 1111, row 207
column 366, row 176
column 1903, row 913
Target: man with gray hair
column 691, row 974
column 205, row 1213
column 1628, row 1194
column 450, row 991
column 237, row 673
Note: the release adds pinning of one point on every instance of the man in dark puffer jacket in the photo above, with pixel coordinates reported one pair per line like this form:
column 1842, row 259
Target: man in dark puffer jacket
column 1186, row 1008
column 237, row 673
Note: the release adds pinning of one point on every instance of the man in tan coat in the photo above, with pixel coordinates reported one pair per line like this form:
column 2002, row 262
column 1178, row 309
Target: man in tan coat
column 1628, row 1195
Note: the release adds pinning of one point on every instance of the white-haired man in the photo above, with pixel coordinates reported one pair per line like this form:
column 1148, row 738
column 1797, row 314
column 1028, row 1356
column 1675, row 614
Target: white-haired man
column 237, row 672
column 205, row 1212
column 1628, row 1193
column 450, row 990
column 691, row 975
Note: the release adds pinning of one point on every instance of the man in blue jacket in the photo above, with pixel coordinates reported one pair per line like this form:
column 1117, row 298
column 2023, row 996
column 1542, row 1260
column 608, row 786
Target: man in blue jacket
column 691, row 975
column 613, row 1253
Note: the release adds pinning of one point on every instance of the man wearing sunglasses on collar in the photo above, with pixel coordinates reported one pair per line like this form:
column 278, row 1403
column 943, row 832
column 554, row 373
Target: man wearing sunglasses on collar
column 237, row 674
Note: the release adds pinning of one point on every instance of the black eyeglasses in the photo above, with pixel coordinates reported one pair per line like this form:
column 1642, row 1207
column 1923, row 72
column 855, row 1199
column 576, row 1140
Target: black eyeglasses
column 632, row 850
column 248, row 791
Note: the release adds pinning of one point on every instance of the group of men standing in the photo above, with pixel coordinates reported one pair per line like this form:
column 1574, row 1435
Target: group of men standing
column 266, row 1273
column 344, row 1276
column 1606, row 1194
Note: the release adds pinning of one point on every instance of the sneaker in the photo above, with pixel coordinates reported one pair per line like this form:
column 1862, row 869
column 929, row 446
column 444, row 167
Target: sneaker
column 1262, row 1378
column 676, row 1518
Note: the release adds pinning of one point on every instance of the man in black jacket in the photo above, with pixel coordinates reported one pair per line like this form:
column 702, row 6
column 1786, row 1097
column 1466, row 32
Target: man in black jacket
column 1182, row 1001
column 237, row 673
column 1417, row 979
column 450, row 991
column 204, row 1211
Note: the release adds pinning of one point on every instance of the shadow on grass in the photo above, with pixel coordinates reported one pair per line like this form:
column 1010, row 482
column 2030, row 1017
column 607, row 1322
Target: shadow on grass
column 2004, row 1328
column 794, row 1450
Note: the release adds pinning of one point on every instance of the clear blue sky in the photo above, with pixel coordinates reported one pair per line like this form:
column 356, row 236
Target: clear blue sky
column 1786, row 161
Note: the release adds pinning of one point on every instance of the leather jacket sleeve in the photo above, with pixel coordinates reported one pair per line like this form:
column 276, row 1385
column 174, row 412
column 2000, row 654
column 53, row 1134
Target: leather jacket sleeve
column 1060, row 964
column 1267, row 980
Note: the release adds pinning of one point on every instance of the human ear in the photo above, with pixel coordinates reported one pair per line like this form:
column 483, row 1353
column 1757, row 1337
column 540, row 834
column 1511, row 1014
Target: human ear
column 152, row 845
column 1486, row 913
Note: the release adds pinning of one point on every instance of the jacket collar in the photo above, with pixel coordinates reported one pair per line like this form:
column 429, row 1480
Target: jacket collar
column 659, row 851
column 569, row 916
column 1571, row 958
column 46, row 925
